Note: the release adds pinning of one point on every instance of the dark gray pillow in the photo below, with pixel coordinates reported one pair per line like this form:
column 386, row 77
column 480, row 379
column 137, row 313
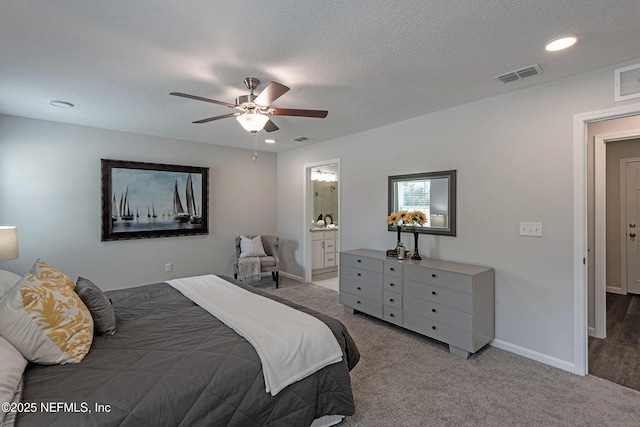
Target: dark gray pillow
column 104, row 318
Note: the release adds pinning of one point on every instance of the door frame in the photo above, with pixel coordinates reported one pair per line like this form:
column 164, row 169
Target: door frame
column 308, row 209
column 600, row 246
column 580, row 310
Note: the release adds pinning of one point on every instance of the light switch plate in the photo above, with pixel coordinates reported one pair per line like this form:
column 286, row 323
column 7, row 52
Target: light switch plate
column 531, row 229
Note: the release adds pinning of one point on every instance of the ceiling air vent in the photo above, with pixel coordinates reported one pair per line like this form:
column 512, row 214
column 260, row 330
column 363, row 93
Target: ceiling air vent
column 300, row 138
column 511, row 76
column 627, row 83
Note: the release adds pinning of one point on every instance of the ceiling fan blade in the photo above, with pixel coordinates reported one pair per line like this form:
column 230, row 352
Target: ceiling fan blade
column 273, row 91
column 210, row 119
column 270, row 126
column 199, row 98
column 321, row 114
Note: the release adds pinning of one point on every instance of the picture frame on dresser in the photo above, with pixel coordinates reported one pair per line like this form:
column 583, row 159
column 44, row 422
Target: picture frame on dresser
column 145, row 200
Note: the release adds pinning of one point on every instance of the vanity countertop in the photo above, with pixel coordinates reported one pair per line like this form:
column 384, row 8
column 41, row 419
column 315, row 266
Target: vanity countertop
column 324, row 229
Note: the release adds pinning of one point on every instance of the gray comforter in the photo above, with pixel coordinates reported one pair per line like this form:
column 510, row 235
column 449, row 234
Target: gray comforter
column 171, row 363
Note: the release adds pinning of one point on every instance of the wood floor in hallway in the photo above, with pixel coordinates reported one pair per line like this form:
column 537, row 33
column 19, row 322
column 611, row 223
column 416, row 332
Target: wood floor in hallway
column 617, row 357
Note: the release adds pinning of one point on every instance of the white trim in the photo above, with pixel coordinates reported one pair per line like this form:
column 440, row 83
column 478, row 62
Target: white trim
column 308, row 207
column 600, row 249
column 530, row 354
column 580, row 318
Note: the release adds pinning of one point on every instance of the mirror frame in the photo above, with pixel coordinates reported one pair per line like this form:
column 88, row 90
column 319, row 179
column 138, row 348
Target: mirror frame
column 451, row 176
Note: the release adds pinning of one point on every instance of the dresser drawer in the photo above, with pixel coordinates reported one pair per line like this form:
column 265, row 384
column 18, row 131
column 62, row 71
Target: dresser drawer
column 392, row 299
column 392, row 268
column 361, row 276
column 438, row 312
column 362, row 290
column 447, row 279
column 361, row 304
column 440, row 331
column 330, row 234
column 459, row 300
column 392, row 315
column 363, row 263
column 393, row 284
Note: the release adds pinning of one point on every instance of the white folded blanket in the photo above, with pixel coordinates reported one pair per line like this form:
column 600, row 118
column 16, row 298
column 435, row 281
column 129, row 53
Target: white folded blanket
column 291, row 344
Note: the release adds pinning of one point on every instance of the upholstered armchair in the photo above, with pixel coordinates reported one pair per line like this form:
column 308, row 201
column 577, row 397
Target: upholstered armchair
column 269, row 263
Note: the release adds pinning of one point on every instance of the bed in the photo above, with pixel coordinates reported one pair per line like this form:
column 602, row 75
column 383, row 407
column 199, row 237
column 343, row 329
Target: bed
column 171, row 363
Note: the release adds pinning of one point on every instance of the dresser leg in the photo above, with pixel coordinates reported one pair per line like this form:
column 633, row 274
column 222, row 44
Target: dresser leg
column 348, row 310
column 458, row 352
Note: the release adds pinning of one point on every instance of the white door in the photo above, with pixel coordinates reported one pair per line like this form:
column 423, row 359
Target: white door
column 632, row 229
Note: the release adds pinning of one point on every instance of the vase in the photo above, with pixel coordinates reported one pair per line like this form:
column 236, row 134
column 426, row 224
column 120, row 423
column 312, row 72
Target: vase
column 416, row 254
column 399, row 231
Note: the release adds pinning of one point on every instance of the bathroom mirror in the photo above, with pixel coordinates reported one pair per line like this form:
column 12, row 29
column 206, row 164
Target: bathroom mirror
column 325, row 193
column 433, row 193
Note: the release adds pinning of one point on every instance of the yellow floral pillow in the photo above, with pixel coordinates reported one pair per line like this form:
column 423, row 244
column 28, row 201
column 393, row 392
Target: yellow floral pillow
column 45, row 319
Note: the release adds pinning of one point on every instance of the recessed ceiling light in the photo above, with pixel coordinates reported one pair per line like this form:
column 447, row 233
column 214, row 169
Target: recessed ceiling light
column 270, row 141
column 561, row 43
column 61, row 104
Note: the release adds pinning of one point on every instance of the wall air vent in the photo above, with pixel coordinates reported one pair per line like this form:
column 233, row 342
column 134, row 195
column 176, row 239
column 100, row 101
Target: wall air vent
column 511, row 76
column 300, row 138
column 627, row 83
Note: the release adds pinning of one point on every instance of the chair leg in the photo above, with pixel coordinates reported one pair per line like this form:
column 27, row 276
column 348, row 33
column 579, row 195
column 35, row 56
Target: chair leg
column 276, row 277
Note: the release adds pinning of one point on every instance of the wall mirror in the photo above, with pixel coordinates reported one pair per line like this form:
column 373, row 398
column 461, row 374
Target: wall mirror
column 433, row 193
column 325, row 193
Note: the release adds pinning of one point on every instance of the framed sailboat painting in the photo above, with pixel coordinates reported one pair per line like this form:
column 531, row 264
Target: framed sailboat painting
column 143, row 200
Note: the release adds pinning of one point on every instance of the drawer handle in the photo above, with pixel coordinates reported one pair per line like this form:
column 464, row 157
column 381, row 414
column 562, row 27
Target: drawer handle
column 434, row 293
column 392, row 284
column 392, row 315
column 434, row 328
column 391, row 300
column 359, row 274
column 359, row 260
column 435, row 276
column 392, row 269
column 433, row 310
column 358, row 302
column 359, row 288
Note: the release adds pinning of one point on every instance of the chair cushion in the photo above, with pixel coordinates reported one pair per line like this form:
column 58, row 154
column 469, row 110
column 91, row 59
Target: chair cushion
column 267, row 261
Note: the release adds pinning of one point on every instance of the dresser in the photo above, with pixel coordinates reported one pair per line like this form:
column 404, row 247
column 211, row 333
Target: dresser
column 450, row 302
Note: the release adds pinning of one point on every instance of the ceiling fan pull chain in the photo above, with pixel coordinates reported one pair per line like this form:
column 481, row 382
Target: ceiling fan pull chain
column 255, row 146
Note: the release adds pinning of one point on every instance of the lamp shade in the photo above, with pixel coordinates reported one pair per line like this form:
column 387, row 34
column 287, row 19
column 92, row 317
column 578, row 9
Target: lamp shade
column 253, row 122
column 8, row 243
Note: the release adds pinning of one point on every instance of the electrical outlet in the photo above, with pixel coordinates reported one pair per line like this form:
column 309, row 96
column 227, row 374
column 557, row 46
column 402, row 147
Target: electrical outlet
column 168, row 267
column 531, row 229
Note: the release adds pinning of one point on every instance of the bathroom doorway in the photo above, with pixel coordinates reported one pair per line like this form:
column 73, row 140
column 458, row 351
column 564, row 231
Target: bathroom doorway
column 322, row 223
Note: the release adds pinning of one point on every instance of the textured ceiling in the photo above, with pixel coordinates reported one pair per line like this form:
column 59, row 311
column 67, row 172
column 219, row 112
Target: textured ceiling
column 369, row 63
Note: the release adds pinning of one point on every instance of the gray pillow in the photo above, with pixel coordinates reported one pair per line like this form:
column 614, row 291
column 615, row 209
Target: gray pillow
column 104, row 318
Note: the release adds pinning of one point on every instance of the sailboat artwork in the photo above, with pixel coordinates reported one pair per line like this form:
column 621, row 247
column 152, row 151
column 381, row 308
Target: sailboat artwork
column 175, row 199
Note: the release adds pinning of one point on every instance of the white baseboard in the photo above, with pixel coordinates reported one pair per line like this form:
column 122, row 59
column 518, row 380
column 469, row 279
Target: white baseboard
column 530, row 354
column 615, row 290
column 292, row 276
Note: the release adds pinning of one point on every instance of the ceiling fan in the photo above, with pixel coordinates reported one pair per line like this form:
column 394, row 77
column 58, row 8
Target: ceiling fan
column 254, row 110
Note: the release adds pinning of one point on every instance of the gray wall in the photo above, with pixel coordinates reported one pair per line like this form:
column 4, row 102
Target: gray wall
column 514, row 157
column 50, row 189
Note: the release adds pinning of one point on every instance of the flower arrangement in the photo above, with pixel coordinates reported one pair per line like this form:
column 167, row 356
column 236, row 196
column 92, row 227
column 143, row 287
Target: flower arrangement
column 406, row 218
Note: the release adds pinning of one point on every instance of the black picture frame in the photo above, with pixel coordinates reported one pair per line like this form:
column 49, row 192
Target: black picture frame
column 142, row 200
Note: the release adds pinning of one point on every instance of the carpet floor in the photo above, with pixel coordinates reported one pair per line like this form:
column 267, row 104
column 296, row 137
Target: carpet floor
column 405, row 379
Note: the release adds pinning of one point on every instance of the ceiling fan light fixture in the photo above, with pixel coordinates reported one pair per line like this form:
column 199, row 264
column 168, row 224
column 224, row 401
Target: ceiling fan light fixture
column 252, row 122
